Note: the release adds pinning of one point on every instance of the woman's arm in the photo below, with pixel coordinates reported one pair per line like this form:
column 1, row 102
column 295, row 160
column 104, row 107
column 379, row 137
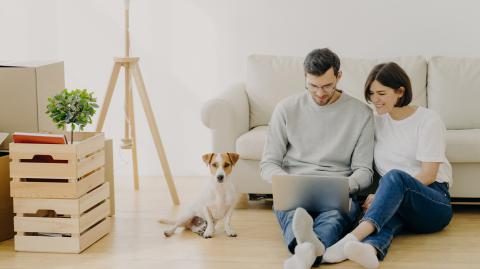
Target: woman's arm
column 428, row 174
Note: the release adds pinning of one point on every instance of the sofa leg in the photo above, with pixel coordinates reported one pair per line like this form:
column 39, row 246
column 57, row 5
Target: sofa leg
column 242, row 201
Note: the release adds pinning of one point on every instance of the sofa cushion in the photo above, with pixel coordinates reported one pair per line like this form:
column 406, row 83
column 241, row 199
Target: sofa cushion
column 355, row 72
column 454, row 91
column 272, row 78
column 463, row 146
column 269, row 80
column 250, row 145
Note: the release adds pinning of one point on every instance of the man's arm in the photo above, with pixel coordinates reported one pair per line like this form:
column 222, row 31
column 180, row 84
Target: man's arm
column 275, row 146
column 362, row 159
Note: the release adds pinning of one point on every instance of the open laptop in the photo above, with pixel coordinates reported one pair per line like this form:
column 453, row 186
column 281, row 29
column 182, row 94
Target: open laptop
column 313, row 193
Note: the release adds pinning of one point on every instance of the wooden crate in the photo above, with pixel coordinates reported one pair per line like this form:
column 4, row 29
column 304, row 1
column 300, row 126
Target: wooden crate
column 75, row 225
column 58, row 171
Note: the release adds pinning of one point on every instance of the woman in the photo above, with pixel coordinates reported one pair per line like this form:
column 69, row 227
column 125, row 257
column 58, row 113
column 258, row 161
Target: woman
column 410, row 156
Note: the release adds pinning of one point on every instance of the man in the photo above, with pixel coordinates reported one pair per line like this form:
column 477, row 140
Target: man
column 322, row 131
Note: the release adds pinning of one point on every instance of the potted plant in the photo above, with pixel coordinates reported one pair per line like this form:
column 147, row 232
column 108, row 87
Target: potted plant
column 75, row 107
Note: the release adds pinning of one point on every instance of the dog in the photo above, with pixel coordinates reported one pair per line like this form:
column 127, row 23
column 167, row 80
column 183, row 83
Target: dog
column 216, row 202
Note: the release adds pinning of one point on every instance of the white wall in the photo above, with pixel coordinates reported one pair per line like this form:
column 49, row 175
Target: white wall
column 191, row 50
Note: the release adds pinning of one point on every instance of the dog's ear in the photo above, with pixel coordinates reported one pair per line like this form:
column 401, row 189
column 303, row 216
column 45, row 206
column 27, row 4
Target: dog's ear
column 207, row 158
column 233, row 157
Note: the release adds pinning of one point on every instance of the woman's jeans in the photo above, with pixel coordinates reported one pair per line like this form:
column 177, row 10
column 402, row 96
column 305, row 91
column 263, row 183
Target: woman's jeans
column 329, row 226
column 401, row 201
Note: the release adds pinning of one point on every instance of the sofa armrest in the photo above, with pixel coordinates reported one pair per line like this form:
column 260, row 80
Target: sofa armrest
column 228, row 117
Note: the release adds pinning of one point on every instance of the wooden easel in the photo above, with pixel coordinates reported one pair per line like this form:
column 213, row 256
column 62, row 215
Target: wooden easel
column 132, row 68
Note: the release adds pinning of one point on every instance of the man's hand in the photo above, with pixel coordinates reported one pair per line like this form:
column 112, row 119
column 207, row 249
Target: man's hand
column 368, row 202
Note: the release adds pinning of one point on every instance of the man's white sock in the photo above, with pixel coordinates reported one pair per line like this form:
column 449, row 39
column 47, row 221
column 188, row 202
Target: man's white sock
column 362, row 253
column 303, row 258
column 334, row 253
column 302, row 226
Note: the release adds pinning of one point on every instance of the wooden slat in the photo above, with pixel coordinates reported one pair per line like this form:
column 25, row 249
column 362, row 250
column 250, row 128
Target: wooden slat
column 20, row 189
column 72, row 189
column 95, row 234
column 46, row 225
column 92, row 198
column 91, row 163
column 62, row 244
column 90, row 182
column 46, row 244
column 62, row 206
column 17, row 156
column 95, row 215
column 90, row 145
column 62, row 225
column 43, row 170
column 41, row 149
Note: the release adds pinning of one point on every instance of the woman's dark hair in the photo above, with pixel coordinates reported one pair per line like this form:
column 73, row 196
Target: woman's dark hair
column 393, row 76
column 318, row 61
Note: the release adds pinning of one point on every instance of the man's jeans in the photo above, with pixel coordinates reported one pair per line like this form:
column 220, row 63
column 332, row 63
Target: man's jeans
column 401, row 201
column 329, row 226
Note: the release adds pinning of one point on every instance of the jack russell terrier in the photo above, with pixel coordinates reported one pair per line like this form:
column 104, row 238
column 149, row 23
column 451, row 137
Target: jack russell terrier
column 217, row 201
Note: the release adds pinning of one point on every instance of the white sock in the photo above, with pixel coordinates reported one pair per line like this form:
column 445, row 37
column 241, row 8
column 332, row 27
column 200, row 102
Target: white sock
column 303, row 258
column 302, row 226
column 334, row 253
column 362, row 253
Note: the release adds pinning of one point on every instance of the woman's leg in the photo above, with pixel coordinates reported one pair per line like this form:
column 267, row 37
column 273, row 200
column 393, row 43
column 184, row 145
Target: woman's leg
column 424, row 209
column 381, row 240
column 397, row 190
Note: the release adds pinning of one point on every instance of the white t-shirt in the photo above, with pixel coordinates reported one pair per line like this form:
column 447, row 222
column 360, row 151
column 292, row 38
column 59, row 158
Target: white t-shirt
column 405, row 144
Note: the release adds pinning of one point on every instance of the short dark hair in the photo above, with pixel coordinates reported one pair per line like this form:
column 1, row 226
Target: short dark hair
column 393, row 76
column 318, row 61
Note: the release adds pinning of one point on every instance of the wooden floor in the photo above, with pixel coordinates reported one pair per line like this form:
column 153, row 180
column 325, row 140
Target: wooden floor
column 137, row 241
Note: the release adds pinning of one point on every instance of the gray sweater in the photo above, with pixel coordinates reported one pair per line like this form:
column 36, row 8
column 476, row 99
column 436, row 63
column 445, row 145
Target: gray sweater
column 307, row 139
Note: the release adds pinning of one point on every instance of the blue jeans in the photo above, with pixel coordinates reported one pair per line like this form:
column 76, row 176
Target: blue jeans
column 329, row 226
column 403, row 202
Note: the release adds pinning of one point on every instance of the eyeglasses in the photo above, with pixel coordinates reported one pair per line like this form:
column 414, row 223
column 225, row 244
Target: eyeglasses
column 327, row 88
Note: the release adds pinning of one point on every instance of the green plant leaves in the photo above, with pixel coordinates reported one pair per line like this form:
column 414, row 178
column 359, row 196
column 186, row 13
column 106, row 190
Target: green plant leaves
column 75, row 107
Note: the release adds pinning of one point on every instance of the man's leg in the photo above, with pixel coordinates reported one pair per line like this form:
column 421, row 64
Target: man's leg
column 298, row 223
column 302, row 226
column 285, row 219
column 331, row 225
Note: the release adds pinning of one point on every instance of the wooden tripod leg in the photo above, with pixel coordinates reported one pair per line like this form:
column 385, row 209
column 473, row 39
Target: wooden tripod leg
column 135, row 69
column 108, row 96
column 128, row 99
column 133, row 132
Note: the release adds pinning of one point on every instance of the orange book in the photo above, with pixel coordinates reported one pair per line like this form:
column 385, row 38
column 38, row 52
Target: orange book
column 39, row 138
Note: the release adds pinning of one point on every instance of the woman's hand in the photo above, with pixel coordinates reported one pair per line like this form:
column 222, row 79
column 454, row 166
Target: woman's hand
column 368, row 202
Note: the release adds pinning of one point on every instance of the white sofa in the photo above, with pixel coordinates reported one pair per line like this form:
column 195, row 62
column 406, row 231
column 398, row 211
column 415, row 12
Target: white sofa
column 238, row 118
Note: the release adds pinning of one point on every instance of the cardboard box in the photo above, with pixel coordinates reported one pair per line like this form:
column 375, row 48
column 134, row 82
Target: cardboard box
column 6, row 204
column 24, row 89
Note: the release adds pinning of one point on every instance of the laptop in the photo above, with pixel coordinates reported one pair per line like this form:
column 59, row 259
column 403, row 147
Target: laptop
column 313, row 193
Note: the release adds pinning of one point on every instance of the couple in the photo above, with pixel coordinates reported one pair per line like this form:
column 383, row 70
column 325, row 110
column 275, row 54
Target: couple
column 324, row 131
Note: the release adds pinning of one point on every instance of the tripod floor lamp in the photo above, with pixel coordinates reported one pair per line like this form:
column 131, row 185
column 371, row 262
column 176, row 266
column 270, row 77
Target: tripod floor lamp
column 132, row 70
